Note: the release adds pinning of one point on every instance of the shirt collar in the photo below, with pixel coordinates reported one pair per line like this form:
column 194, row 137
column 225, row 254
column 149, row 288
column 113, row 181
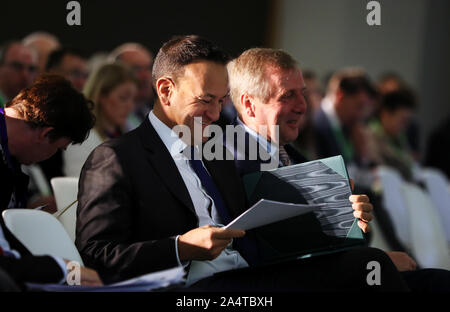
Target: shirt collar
column 269, row 147
column 170, row 139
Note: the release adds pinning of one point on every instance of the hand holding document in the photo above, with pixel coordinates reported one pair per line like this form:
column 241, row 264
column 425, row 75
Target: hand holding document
column 268, row 211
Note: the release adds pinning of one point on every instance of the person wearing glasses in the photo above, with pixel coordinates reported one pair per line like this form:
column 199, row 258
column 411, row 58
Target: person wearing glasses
column 18, row 69
column 140, row 60
column 69, row 63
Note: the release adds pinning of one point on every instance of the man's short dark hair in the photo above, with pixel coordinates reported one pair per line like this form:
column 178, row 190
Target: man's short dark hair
column 351, row 81
column 353, row 85
column 184, row 50
column 51, row 101
column 55, row 57
column 403, row 98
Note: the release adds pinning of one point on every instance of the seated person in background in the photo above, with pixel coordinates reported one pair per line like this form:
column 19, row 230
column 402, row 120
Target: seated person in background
column 70, row 64
column 145, row 204
column 140, row 60
column 389, row 131
column 267, row 88
column 18, row 69
column 112, row 88
column 390, row 82
column 340, row 123
column 41, row 119
column 43, row 43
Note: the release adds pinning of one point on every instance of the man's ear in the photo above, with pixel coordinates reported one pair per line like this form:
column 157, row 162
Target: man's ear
column 339, row 95
column 248, row 105
column 164, row 88
column 43, row 133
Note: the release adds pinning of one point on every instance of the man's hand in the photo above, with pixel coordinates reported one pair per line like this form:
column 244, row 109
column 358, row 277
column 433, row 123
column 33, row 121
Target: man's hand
column 362, row 210
column 90, row 277
column 205, row 243
column 402, row 261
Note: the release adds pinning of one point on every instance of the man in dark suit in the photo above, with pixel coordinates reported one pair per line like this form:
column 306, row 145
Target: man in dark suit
column 277, row 95
column 41, row 119
column 338, row 124
column 145, row 204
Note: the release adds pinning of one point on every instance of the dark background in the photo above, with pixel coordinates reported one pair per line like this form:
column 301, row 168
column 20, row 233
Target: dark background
column 234, row 25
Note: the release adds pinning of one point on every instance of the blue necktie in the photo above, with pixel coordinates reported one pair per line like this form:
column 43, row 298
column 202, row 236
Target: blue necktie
column 244, row 245
column 210, row 187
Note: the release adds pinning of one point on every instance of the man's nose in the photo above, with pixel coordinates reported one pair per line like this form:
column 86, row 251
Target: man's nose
column 213, row 112
column 300, row 104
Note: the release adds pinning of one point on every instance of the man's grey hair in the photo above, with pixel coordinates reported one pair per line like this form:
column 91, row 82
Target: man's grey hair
column 30, row 39
column 117, row 53
column 247, row 73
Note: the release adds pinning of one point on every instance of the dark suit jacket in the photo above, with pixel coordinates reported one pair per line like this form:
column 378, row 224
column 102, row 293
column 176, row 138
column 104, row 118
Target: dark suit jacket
column 29, row 268
column 133, row 202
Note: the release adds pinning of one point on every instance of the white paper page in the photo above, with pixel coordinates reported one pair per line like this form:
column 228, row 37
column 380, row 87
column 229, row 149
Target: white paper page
column 145, row 282
column 268, row 211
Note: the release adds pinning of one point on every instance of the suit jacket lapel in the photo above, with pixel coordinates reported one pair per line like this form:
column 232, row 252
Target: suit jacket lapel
column 163, row 164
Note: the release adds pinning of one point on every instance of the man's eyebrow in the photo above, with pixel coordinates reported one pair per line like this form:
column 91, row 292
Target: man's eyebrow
column 213, row 96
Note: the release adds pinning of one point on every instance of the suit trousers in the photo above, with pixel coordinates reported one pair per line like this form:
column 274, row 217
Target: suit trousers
column 342, row 271
column 6, row 282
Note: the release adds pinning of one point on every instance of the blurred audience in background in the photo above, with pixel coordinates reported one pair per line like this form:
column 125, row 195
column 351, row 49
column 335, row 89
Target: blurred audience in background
column 389, row 128
column 69, row 63
column 305, row 142
column 18, row 69
column 340, row 122
column 437, row 154
column 140, row 60
column 389, row 82
column 43, row 43
column 113, row 89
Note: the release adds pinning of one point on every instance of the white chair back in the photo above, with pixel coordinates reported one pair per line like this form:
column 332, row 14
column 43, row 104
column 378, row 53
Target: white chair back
column 66, row 190
column 429, row 244
column 439, row 189
column 41, row 233
column 394, row 202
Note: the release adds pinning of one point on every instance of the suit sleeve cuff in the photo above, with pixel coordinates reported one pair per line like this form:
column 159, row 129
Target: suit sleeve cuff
column 62, row 264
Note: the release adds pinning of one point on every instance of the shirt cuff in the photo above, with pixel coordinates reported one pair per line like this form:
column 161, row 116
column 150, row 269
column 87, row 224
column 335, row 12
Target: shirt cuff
column 185, row 263
column 62, row 264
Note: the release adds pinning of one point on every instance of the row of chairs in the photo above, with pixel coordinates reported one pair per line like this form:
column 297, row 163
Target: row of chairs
column 420, row 216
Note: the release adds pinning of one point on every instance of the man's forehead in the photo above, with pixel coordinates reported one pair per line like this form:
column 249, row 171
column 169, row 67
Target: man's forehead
column 207, row 78
column 285, row 78
column 20, row 52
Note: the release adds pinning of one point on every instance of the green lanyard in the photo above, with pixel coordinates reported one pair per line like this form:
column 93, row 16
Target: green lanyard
column 345, row 146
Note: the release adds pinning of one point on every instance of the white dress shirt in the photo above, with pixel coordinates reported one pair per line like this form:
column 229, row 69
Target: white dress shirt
column 268, row 146
column 229, row 258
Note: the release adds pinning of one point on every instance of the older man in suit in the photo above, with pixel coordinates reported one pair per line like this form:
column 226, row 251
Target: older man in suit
column 145, row 204
column 267, row 89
